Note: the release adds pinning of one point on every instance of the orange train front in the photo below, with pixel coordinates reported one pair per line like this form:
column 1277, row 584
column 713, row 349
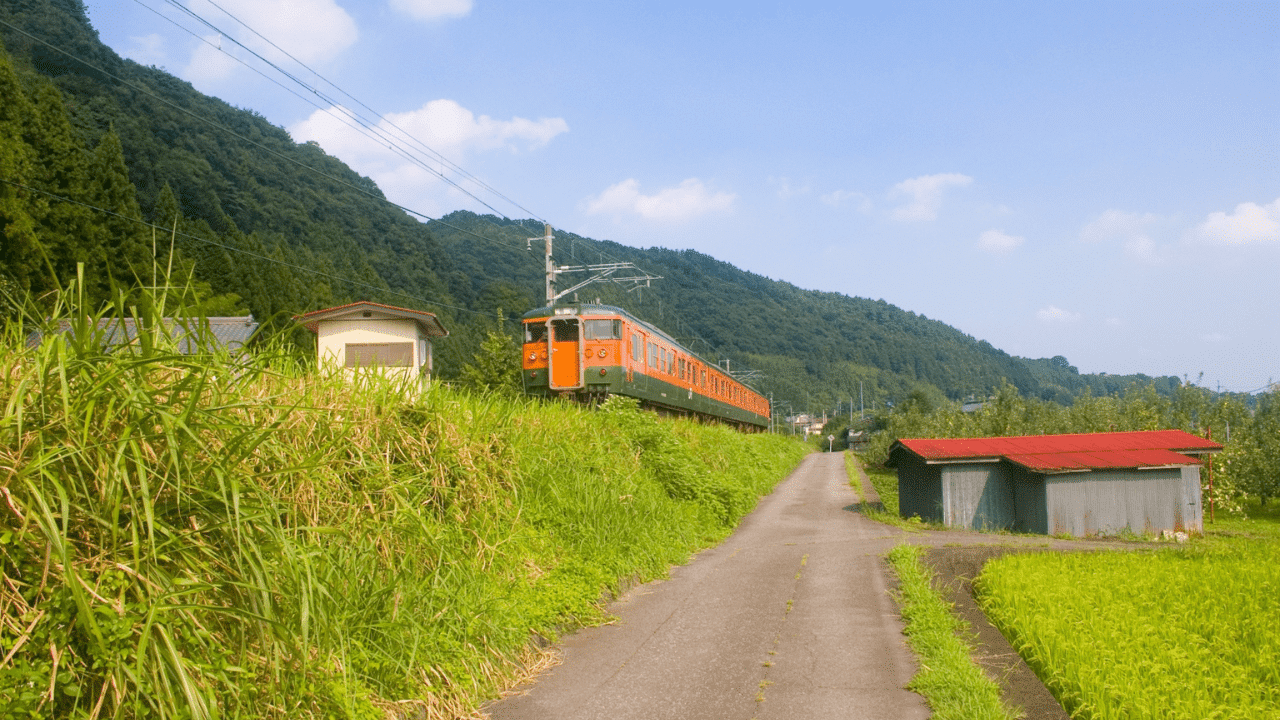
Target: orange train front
column 589, row 352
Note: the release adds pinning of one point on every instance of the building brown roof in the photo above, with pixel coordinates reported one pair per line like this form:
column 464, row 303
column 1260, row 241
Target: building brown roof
column 428, row 322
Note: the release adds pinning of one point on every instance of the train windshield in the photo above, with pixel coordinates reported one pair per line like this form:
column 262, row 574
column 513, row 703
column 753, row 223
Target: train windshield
column 535, row 332
column 603, row 329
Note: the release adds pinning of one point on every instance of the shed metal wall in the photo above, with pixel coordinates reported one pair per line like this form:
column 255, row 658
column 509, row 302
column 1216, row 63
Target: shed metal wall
column 1028, row 501
column 1109, row 501
column 978, row 496
column 919, row 490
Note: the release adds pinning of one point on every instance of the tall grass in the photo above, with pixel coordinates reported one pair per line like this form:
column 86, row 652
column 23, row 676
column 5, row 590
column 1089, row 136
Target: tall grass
column 207, row 536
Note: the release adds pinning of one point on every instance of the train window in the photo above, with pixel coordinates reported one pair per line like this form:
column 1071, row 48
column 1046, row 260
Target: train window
column 653, row 355
column 681, row 368
column 603, row 329
column 565, row 330
column 637, row 348
column 671, row 363
column 535, row 332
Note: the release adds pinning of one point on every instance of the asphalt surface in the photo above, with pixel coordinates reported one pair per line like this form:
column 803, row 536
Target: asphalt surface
column 788, row 618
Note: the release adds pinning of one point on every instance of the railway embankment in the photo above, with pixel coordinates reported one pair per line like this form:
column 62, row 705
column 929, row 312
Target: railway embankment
column 199, row 536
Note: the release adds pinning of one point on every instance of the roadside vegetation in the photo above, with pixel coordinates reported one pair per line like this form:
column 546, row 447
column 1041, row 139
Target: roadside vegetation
column 202, row 535
column 954, row 686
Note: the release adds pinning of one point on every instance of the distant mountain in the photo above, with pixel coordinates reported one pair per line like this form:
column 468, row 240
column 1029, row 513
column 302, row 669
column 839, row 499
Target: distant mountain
column 256, row 211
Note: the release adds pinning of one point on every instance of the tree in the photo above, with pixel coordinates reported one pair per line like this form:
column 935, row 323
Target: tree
column 495, row 368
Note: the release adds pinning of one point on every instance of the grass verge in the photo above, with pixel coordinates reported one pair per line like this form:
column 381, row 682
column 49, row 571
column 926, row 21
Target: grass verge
column 955, row 687
column 196, row 535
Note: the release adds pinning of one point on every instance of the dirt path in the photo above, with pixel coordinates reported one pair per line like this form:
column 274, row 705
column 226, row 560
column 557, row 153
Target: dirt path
column 788, row 618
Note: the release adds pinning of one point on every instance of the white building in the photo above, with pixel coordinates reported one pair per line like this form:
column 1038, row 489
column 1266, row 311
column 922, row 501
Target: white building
column 370, row 335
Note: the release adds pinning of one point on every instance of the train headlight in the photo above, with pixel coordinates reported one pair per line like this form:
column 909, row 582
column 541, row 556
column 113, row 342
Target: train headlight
column 603, row 352
column 533, row 356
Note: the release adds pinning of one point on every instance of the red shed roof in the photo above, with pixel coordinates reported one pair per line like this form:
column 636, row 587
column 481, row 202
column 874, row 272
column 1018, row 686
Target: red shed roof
column 1065, row 453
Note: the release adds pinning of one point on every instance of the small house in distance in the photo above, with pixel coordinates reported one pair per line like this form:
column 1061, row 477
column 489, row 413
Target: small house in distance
column 1082, row 484
column 367, row 334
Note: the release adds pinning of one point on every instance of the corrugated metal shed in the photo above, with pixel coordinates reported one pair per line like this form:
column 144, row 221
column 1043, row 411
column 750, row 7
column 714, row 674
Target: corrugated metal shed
column 1081, row 484
column 1067, row 453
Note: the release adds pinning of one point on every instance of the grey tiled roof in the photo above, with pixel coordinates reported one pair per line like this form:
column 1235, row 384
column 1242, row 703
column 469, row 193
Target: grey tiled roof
column 213, row 333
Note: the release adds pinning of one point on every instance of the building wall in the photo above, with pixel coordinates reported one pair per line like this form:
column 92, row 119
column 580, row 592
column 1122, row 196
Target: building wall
column 1106, row 502
column 919, row 490
column 334, row 335
column 978, row 496
column 1029, row 513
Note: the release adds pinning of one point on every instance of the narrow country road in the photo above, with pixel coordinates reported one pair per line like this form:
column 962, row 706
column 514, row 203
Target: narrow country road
column 788, row 618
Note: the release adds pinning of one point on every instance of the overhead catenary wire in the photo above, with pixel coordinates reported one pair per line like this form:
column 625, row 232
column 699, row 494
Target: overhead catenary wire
column 364, row 122
column 147, row 91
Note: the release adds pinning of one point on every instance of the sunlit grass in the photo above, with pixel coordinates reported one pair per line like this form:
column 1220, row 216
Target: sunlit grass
column 954, row 686
column 192, row 536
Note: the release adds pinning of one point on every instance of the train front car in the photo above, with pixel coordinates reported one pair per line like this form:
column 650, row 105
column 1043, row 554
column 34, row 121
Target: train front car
column 573, row 350
column 587, row 352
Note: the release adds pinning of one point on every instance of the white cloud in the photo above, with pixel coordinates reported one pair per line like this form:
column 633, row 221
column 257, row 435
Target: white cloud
column 1131, row 230
column 1117, row 225
column 314, row 31
column 1249, row 223
column 925, row 195
column 786, row 190
column 147, row 50
column 848, row 198
column 432, row 9
column 443, row 125
column 1114, row 321
column 682, row 202
column 1053, row 314
column 995, row 241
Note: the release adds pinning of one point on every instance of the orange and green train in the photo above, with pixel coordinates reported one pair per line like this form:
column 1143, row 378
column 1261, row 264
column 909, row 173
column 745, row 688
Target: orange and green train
column 588, row 352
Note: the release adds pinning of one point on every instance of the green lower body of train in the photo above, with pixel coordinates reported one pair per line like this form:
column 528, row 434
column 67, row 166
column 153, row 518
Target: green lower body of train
column 601, row 382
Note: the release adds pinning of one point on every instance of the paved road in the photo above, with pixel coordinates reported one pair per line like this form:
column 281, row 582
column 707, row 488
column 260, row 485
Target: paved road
column 788, row 618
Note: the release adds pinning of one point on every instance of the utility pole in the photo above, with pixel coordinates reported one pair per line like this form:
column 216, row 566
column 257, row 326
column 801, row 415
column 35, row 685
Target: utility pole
column 599, row 273
column 862, row 409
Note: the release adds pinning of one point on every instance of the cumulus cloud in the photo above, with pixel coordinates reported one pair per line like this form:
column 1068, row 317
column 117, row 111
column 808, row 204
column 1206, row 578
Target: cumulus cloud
column 848, row 198
column 687, row 200
column 444, row 125
column 924, row 195
column 432, row 9
column 1248, row 224
column 1054, row 314
column 995, row 241
column 1132, row 231
column 314, row 31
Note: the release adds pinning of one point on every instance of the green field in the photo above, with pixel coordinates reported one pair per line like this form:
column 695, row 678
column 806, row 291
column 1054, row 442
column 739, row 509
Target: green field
column 1177, row 633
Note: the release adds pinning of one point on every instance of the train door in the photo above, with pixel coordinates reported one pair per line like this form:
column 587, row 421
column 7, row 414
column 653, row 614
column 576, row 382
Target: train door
column 564, row 354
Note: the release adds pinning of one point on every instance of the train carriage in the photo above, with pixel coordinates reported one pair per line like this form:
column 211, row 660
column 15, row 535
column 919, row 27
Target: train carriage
column 590, row 351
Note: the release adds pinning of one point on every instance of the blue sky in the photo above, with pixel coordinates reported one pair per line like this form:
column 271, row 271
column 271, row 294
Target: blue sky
column 1099, row 180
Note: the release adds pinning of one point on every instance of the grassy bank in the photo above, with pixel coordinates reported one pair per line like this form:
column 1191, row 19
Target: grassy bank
column 197, row 536
column 954, row 686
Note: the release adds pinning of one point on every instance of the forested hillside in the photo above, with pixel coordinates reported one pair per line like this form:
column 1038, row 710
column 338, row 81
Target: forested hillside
column 107, row 162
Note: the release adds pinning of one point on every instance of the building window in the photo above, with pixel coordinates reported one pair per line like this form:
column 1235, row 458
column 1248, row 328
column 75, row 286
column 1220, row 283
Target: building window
column 380, row 354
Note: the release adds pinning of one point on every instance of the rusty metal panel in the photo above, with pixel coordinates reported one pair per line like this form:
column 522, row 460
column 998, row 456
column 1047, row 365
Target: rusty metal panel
column 1107, row 502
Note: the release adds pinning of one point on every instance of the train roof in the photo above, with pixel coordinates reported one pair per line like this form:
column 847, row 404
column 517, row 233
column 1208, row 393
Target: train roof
column 600, row 309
